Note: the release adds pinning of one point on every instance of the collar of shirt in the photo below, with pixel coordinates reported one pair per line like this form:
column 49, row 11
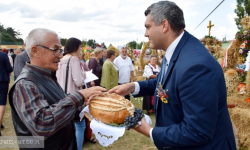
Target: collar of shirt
column 156, row 67
column 43, row 71
column 171, row 48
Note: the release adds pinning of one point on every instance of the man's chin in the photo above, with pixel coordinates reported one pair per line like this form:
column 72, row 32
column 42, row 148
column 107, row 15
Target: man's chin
column 55, row 67
column 151, row 46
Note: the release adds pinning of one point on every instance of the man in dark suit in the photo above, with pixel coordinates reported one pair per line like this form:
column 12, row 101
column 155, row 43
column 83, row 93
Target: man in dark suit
column 193, row 113
column 104, row 57
column 4, row 83
column 20, row 62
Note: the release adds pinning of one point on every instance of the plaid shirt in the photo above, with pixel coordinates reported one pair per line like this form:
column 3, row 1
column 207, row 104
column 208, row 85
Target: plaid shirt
column 39, row 117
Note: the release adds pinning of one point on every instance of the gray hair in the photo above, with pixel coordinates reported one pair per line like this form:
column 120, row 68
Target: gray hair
column 124, row 46
column 151, row 56
column 37, row 37
column 169, row 11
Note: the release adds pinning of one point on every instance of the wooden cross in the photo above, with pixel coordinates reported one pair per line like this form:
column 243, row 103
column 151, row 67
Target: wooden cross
column 209, row 27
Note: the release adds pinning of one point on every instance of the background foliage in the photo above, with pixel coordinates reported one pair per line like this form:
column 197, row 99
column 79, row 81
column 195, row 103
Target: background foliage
column 9, row 36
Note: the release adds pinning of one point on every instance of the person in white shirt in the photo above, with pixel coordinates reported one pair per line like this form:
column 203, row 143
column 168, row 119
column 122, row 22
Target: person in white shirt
column 150, row 72
column 125, row 67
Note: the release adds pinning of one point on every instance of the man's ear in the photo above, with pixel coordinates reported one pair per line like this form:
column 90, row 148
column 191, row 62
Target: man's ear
column 34, row 51
column 165, row 25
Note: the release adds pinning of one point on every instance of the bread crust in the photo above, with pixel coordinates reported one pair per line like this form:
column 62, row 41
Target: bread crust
column 110, row 108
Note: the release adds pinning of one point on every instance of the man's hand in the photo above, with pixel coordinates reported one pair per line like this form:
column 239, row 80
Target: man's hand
column 133, row 78
column 144, row 128
column 91, row 91
column 124, row 89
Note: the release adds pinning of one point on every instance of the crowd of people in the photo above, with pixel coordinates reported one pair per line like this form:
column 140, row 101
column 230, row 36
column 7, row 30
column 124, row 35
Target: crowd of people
column 189, row 92
column 70, row 75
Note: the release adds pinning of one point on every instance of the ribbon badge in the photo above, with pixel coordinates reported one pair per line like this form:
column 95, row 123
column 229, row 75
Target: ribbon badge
column 161, row 93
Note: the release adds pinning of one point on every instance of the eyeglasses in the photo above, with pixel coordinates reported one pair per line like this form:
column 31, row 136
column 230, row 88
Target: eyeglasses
column 57, row 52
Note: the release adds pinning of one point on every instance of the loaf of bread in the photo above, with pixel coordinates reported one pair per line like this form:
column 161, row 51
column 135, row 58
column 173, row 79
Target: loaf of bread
column 110, row 108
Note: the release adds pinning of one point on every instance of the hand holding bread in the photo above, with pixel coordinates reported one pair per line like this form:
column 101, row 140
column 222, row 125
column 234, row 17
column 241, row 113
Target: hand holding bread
column 87, row 93
column 123, row 89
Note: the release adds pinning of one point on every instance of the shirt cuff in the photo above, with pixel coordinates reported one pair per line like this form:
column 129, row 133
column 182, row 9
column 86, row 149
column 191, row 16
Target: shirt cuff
column 77, row 98
column 150, row 133
column 137, row 88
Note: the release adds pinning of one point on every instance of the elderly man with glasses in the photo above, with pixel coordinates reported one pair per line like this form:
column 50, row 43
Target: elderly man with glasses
column 39, row 105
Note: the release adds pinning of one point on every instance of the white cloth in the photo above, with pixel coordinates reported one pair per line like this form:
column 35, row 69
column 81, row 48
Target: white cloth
column 168, row 55
column 107, row 134
column 125, row 67
column 148, row 70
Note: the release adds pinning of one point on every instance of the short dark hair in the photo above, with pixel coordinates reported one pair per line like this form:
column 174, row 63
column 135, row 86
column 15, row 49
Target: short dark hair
column 72, row 45
column 110, row 52
column 169, row 11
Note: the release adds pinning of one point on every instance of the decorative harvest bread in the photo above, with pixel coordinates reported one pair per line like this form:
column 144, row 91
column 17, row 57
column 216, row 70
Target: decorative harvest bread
column 110, row 108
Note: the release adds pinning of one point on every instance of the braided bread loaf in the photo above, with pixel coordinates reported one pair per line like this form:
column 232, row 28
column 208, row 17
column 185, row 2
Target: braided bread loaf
column 110, row 108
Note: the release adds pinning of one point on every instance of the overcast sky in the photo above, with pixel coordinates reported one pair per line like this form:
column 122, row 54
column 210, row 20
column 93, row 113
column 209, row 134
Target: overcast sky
column 111, row 21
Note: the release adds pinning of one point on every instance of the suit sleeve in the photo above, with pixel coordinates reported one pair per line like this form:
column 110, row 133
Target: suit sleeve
column 198, row 90
column 147, row 87
column 19, row 64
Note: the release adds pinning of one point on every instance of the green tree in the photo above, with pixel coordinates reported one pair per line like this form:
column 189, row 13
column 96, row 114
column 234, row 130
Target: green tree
column 103, row 45
column 132, row 44
column 242, row 9
column 9, row 36
column 13, row 33
column 140, row 45
column 63, row 41
column 91, row 43
column 84, row 42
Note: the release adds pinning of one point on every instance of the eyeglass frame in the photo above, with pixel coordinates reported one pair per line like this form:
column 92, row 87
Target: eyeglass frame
column 52, row 49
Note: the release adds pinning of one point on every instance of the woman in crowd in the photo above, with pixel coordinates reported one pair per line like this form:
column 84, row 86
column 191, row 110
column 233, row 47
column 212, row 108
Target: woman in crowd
column 75, row 80
column 109, row 71
column 10, row 58
column 4, row 83
column 82, row 58
column 92, row 55
column 150, row 71
column 95, row 66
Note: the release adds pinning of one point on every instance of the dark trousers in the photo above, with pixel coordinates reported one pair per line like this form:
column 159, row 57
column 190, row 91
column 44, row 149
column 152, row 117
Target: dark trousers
column 126, row 96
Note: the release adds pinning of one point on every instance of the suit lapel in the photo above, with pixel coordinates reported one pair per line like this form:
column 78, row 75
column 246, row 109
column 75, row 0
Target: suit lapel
column 171, row 65
column 175, row 55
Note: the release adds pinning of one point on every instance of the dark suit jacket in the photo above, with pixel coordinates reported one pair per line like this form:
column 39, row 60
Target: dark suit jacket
column 102, row 60
column 13, row 58
column 5, row 67
column 196, row 115
column 20, row 62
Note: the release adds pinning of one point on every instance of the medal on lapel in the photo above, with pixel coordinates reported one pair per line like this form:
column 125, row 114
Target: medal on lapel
column 161, row 93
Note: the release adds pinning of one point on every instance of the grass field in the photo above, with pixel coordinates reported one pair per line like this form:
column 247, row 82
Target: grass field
column 131, row 140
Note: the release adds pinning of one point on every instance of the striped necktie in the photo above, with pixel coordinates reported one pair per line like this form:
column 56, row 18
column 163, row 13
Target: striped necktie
column 164, row 69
